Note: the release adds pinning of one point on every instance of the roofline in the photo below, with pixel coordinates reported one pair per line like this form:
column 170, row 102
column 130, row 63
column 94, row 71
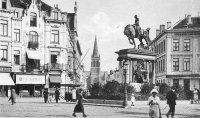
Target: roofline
column 175, row 31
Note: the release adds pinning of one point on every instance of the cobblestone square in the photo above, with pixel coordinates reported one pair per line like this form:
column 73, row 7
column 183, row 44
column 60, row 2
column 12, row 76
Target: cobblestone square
column 35, row 107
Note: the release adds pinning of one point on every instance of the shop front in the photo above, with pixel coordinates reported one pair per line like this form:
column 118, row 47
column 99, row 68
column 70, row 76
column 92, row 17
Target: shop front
column 6, row 82
column 30, row 84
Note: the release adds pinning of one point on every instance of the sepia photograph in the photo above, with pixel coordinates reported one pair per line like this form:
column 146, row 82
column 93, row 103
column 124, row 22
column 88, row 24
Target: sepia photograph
column 100, row 58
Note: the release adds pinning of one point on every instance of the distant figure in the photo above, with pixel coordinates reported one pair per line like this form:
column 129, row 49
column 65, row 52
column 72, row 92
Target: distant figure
column 79, row 104
column 171, row 101
column 154, row 103
column 73, row 94
column 132, row 100
column 196, row 97
column 13, row 97
column 50, row 98
column 57, row 95
column 46, row 94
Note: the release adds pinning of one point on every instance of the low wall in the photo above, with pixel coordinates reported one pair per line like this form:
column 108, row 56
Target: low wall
column 101, row 101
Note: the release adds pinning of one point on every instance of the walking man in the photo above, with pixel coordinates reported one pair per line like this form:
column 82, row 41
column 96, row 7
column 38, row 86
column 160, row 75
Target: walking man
column 171, row 101
column 57, row 94
column 45, row 93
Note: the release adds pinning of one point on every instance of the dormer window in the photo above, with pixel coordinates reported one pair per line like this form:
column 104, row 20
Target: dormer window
column 4, row 4
column 33, row 19
column 55, row 15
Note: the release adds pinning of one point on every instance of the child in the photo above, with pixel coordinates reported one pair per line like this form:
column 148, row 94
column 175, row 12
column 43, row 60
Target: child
column 132, row 99
column 50, row 98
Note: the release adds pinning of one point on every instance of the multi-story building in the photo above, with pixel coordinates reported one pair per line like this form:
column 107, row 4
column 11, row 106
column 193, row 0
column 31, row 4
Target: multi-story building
column 35, row 45
column 178, row 53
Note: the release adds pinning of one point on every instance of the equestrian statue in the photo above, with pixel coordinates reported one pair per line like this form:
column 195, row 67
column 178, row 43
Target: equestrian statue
column 135, row 31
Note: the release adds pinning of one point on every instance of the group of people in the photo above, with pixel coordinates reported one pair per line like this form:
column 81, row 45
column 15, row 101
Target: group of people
column 154, row 103
column 48, row 97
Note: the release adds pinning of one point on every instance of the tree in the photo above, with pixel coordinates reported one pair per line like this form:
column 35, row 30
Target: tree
column 96, row 89
column 146, row 88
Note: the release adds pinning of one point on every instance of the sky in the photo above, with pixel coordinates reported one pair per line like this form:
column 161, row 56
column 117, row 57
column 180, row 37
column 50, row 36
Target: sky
column 107, row 18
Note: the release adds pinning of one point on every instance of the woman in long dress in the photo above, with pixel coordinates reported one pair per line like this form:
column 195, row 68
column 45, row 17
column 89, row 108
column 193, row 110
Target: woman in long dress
column 79, row 108
column 196, row 98
column 153, row 102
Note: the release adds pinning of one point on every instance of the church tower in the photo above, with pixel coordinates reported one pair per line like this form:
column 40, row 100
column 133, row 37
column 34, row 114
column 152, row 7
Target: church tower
column 95, row 64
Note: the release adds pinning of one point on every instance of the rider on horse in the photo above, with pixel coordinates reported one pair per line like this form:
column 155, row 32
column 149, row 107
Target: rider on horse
column 137, row 26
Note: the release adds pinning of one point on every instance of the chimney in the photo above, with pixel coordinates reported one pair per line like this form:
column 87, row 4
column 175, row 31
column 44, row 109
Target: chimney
column 169, row 24
column 189, row 20
column 162, row 28
column 157, row 32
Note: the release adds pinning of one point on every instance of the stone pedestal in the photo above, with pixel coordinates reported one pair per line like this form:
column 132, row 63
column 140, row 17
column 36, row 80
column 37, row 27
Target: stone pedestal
column 138, row 59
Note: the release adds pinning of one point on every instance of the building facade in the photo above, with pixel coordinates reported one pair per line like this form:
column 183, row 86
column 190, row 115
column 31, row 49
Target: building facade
column 178, row 53
column 35, row 44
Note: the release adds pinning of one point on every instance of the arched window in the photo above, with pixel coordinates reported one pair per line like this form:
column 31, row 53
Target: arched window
column 33, row 19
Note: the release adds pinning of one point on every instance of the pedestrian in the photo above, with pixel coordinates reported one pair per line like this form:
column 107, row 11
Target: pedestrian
column 13, row 97
column 154, row 103
column 57, row 95
column 73, row 94
column 132, row 100
column 196, row 98
column 171, row 101
column 79, row 104
column 46, row 94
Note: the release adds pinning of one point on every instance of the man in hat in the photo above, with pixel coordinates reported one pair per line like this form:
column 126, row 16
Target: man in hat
column 57, row 95
column 171, row 101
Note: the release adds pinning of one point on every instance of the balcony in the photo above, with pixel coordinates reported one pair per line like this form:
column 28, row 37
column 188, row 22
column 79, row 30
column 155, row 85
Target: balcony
column 33, row 45
column 55, row 66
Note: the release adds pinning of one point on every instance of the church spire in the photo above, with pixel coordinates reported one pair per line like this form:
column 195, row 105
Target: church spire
column 95, row 50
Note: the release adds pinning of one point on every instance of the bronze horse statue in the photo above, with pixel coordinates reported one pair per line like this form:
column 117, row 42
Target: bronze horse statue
column 131, row 32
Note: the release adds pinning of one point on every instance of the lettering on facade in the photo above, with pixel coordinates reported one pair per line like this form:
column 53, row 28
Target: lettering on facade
column 30, row 79
column 5, row 69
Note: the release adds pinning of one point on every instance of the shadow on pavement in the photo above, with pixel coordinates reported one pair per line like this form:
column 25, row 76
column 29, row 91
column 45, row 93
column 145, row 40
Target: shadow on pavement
column 132, row 112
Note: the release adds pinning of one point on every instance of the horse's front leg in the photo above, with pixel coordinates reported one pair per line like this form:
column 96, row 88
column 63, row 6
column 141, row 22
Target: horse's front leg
column 133, row 42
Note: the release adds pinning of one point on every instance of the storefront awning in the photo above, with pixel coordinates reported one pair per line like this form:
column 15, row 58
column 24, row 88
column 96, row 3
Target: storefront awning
column 5, row 79
column 55, row 79
column 34, row 54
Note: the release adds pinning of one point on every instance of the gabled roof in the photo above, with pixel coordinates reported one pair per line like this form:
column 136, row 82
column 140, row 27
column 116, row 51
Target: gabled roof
column 24, row 3
column 183, row 23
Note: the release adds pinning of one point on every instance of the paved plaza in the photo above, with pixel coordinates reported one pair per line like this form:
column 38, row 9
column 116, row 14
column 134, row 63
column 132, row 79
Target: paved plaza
column 35, row 107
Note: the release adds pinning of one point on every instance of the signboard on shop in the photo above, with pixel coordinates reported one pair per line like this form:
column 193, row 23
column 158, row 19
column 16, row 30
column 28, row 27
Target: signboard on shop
column 30, row 79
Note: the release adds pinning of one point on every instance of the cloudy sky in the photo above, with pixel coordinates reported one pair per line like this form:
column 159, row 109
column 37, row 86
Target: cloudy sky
column 107, row 18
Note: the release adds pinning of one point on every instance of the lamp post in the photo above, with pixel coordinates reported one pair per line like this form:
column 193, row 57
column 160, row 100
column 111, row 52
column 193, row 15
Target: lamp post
column 125, row 103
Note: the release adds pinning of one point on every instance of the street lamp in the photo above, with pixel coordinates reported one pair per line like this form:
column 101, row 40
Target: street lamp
column 125, row 67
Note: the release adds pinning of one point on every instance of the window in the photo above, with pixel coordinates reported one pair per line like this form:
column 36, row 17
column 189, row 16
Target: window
column 175, row 64
column 55, row 15
column 175, row 82
column 163, row 65
column 186, row 64
column 70, row 61
column 33, row 19
column 164, row 46
column 3, row 4
column 54, row 56
column 55, row 36
column 3, row 27
column 4, row 53
column 33, row 40
column 16, row 35
column 17, row 57
column 186, row 44
column 175, row 45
